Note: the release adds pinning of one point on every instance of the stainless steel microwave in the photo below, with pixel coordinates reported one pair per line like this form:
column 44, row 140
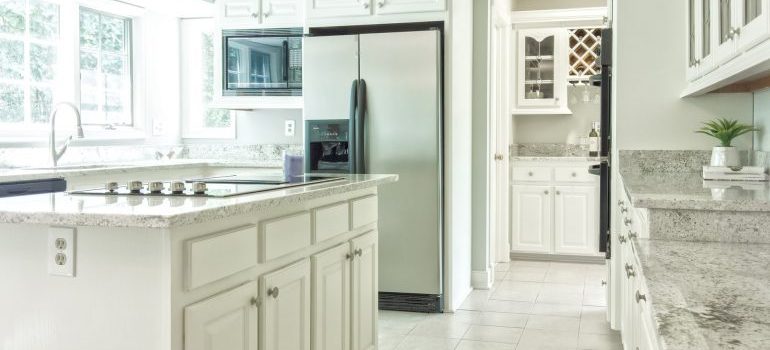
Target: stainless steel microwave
column 262, row 62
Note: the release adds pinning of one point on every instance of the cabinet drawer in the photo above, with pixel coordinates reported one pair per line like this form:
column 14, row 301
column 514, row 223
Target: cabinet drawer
column 532, row 174
column 284, row 235
column 364, row 211
column 330, row 221
column 574, row 174
column 219, row 255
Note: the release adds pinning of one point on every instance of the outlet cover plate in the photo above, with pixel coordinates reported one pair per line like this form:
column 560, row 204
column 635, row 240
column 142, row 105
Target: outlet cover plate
column 61, row 251
column 289, row 128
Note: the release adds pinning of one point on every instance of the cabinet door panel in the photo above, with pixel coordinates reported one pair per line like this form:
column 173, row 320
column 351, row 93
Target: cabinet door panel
column 532, row 216
column 338, row 8
column 724, row 18
column 227, row 321
column 239, row 12
column 283, row 12
column 575, row 230
column 409, row 6
column 754, row 21
column 285, row 321
column 364, row 292
column 331, row 298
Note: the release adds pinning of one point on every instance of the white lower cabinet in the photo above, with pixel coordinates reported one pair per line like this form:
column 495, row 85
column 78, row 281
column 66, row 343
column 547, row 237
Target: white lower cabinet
column 575, row 229
column 364, row 292
column 532, row 217
column 285, row 312
column 227, row 321
column 331, row 298
column 555, row 209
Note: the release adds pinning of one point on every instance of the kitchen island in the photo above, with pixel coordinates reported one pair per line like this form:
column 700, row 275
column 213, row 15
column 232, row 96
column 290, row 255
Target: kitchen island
column 286, row 269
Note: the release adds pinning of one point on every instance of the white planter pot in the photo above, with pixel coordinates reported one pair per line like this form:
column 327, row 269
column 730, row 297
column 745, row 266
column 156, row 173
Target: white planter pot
column 725, row 156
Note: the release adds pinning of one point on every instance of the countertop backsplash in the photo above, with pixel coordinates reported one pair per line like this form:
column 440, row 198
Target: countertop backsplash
column 267, row 155
column 677, row 161
column 549, row 150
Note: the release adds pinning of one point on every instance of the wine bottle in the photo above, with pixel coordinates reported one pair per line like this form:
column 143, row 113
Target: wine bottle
column 593, row 140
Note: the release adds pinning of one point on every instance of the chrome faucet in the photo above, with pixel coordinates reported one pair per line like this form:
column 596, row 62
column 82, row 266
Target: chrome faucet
column 57, row 154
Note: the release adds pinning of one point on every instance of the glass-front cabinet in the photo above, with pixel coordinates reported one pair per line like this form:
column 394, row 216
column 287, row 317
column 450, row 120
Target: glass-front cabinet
column 720, row 30
column 541, row 72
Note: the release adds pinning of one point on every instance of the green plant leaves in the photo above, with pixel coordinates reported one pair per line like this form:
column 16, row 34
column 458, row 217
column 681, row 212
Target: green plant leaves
column 725, row 130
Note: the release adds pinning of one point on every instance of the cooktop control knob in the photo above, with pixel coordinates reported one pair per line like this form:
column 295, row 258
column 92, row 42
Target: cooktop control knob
column 135, row 186
column 199, row 187
column 177, row 187
column 155, row 187
column 111, row 186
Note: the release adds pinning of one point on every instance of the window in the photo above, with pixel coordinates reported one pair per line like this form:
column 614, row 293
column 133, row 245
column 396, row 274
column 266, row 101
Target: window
column 105, row 68
column 199, row 119
column 44, row 44
column 29, row 38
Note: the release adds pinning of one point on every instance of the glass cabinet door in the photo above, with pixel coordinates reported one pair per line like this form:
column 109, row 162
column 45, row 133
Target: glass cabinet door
column 539, row 67
column 542, row 63
column 753, row 23
column 724, row 19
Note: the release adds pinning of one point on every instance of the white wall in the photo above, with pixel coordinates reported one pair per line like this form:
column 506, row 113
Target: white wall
column 457, row 133
column 650, row 75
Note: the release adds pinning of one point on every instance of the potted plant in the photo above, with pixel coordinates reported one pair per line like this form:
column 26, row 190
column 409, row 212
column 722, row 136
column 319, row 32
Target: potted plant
column 725, row 131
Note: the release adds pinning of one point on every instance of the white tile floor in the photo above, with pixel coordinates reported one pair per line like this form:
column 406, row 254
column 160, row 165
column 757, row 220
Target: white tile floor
column 533, row 305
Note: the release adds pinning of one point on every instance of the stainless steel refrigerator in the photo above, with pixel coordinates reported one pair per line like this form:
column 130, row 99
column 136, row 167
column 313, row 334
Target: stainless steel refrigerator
column 388, row 87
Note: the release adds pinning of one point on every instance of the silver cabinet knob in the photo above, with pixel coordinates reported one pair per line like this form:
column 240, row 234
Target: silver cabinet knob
column 630, row 272
column 621, row 203
column 111, row 186
column 135, row 186
column 273, row 292
column 155, row 187
column 358, row 252
column 380, row 4
column 349, row 256
column 530, row 173
column 366, row 4
column 177, row 187
column 546, row 192
column 255, row 14
column 558, row 193
column 622, row 239
column 199, row 187
column 604, row 283
column 640, row 296
column 574, row 174
column 627, row 222
column 624, row 210
column 632, row 234
column 254, row 301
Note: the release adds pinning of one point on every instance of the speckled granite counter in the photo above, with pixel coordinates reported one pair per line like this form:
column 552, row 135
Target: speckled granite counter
column 707, row 295
column 163, row 212
column 555, row 159
column 690, row 191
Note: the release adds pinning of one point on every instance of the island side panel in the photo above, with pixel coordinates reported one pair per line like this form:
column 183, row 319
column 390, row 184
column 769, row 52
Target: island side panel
column 115, row 300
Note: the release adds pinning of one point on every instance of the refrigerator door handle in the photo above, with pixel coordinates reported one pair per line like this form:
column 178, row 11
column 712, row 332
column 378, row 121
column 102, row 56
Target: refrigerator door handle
column 361, row 128
column 352, row 151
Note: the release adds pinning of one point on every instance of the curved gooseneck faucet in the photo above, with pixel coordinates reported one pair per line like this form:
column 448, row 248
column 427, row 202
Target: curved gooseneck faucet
column 57, row 154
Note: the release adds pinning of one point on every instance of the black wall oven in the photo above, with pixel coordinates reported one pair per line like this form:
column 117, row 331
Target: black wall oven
column 262, row 62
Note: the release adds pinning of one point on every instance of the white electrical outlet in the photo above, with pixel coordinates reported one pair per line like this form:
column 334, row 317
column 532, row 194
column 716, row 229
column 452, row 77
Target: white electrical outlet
column 289, row 128
column 61, row 251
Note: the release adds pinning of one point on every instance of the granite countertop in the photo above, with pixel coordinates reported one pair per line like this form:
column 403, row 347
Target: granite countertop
column 555, row 159
column 708, row 295
column 687, row 190
column 164, row 212
column 20, row 174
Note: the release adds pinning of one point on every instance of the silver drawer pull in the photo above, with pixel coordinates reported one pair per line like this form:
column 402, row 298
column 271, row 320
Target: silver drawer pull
column 273, row 292
column 640, row 296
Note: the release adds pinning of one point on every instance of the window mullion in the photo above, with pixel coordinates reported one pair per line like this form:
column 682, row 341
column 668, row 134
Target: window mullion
column 27, row 79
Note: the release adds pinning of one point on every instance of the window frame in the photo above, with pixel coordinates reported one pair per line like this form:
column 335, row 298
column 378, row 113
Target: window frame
column 68, row 80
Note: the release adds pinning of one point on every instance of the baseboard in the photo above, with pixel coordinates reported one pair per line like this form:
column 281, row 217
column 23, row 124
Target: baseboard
column 599, row 259
column 481, row 279
column 429, row 303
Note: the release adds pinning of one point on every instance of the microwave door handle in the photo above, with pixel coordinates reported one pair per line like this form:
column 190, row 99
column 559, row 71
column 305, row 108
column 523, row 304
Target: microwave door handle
column 286, row 61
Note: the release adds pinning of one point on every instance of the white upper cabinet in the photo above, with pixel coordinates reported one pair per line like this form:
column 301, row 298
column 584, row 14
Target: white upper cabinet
column 541, row 83
column 407, row 6
column 282, row 12
column 727, row 42
column 245, row 14
column 338, row 8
